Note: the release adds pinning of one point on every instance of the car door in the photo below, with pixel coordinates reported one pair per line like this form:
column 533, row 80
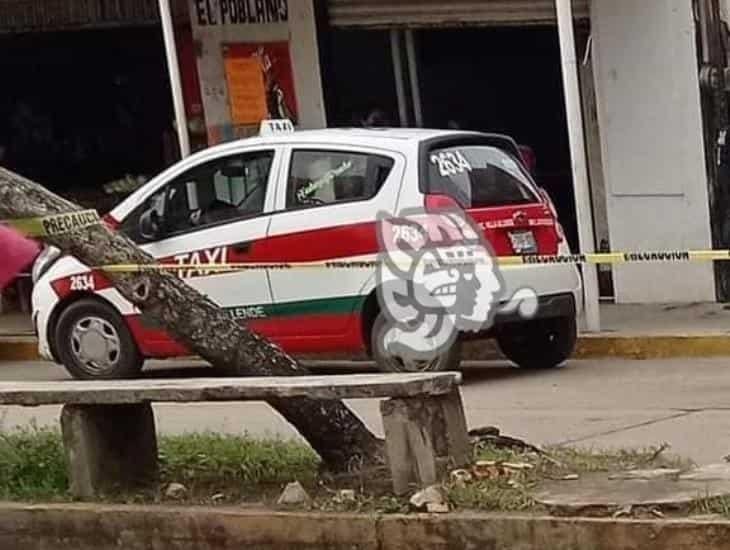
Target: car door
column 326, row 207
column 214, row 213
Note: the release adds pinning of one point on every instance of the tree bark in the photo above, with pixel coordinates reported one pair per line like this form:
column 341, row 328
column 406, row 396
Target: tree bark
column 342, row 440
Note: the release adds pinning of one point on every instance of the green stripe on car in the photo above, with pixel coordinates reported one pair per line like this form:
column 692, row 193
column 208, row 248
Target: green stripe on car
column 325, row 306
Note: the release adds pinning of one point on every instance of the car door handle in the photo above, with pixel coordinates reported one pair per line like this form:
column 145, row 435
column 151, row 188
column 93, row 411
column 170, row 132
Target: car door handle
column 242, row 248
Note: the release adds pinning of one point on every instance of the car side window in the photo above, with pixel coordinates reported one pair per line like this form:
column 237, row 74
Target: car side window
column 328, row 177
column 217, row 191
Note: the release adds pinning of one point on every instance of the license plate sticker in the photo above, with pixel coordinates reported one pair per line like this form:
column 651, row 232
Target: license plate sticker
column 523, row 242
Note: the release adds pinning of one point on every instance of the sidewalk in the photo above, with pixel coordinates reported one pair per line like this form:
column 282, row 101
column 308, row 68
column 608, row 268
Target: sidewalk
column 665, row 319
column 630, row 331
column 15, row 324
column 657, row 331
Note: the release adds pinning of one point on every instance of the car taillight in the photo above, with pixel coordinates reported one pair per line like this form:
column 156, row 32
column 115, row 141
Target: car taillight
column 558, row 228
column 440, row 202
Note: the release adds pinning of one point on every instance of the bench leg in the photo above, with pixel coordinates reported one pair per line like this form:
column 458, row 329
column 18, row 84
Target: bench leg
column 451, row 426
column 110, row 448
column 409, row 442
column 422, row 434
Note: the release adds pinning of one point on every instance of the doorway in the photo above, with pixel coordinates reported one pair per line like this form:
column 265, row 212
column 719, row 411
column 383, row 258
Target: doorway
column 503, row 80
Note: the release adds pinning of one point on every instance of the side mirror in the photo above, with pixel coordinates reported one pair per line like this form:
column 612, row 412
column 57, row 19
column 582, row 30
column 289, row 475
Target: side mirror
column 150, row 226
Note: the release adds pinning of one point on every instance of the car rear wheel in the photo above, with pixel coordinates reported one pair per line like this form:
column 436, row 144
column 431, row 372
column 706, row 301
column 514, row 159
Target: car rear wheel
column 540, row 344
column 94, row 343
column 386, row 360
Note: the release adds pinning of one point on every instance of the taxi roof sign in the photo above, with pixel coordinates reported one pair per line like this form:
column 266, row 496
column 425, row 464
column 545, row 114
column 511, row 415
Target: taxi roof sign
column 273, row 127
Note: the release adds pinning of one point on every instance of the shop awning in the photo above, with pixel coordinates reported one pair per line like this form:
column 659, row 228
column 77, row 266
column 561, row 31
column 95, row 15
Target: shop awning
column 431, row 13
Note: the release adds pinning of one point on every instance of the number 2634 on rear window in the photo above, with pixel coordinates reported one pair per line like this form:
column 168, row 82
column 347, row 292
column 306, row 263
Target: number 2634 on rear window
column 450, row 163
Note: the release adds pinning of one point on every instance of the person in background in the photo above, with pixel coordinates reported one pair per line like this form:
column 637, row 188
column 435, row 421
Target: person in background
column 377, row 118
column 19, row 253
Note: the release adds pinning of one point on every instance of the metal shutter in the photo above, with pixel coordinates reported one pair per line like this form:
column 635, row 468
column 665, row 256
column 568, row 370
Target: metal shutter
column 429, row 13
column 55, row 15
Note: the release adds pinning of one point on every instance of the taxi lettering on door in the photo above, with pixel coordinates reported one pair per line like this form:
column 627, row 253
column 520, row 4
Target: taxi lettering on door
column 192, row 264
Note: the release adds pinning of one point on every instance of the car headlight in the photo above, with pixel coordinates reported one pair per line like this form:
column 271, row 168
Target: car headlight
column 44, row 261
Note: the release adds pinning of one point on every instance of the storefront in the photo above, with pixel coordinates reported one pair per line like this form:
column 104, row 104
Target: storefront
column 480, row 64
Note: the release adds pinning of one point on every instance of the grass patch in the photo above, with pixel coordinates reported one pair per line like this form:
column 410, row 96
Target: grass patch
column 711, row 506
column 220, row 469
column 235, row 466
column 33, row 465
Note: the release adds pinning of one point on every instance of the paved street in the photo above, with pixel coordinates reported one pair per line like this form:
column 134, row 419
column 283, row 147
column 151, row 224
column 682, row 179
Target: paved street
column 605, row 403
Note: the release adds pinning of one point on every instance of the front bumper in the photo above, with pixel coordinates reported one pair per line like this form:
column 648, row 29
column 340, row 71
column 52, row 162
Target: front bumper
column 44, row 299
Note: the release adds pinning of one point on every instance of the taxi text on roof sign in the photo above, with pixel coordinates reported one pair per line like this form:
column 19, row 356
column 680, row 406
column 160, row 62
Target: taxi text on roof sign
column 273, row 127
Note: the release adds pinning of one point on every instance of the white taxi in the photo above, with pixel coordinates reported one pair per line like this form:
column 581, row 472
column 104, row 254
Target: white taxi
column 309, row 196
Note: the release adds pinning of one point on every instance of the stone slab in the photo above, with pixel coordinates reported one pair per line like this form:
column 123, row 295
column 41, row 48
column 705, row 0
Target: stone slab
column 598, row 492
column 120, row 392
column 658, row 473
column 710, row 472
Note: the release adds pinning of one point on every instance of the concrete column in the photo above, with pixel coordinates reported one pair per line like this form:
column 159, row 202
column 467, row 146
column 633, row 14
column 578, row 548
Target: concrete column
column 645, row 68
column 579, row 161
column 173, row 68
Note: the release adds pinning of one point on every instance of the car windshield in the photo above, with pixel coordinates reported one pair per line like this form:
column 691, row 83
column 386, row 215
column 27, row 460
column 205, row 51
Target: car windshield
column 479, row 176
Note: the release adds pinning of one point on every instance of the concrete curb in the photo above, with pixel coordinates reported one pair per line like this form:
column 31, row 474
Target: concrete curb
column 604, row 346
column 653, row 346
column 18, row 348
column 598, row 346
column 102, row 527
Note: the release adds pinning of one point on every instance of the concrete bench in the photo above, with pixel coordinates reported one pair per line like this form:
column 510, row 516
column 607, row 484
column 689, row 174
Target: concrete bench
column 111, row 443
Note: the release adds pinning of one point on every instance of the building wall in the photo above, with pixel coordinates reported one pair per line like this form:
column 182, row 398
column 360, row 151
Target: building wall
column 211, row 31
column 645, row 64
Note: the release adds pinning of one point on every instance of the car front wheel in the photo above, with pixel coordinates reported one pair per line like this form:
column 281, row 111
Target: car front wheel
column 94, row 343
column 540, row 344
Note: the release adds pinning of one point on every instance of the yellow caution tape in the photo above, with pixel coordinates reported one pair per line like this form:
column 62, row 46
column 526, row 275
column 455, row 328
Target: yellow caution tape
column 55, row 224
column 682, row 256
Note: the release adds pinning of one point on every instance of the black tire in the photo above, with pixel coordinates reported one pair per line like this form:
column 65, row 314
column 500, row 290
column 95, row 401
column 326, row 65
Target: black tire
column 448, row 360
column 540, row 344
column 100, row 326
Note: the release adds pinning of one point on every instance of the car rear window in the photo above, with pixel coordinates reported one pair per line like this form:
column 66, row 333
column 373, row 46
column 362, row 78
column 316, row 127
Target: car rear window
column 478, row 176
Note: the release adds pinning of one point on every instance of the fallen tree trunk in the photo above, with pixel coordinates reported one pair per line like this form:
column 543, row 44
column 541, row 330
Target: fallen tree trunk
column 333, row 430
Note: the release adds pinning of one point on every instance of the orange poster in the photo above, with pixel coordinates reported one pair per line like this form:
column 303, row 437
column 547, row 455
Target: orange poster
column 246, row 90
column 260, row 82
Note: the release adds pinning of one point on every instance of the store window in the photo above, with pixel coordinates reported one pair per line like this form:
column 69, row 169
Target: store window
column 327, row 177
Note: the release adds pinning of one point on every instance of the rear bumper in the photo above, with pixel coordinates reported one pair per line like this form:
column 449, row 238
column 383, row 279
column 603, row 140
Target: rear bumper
column 556, row 305
column 550, row 306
